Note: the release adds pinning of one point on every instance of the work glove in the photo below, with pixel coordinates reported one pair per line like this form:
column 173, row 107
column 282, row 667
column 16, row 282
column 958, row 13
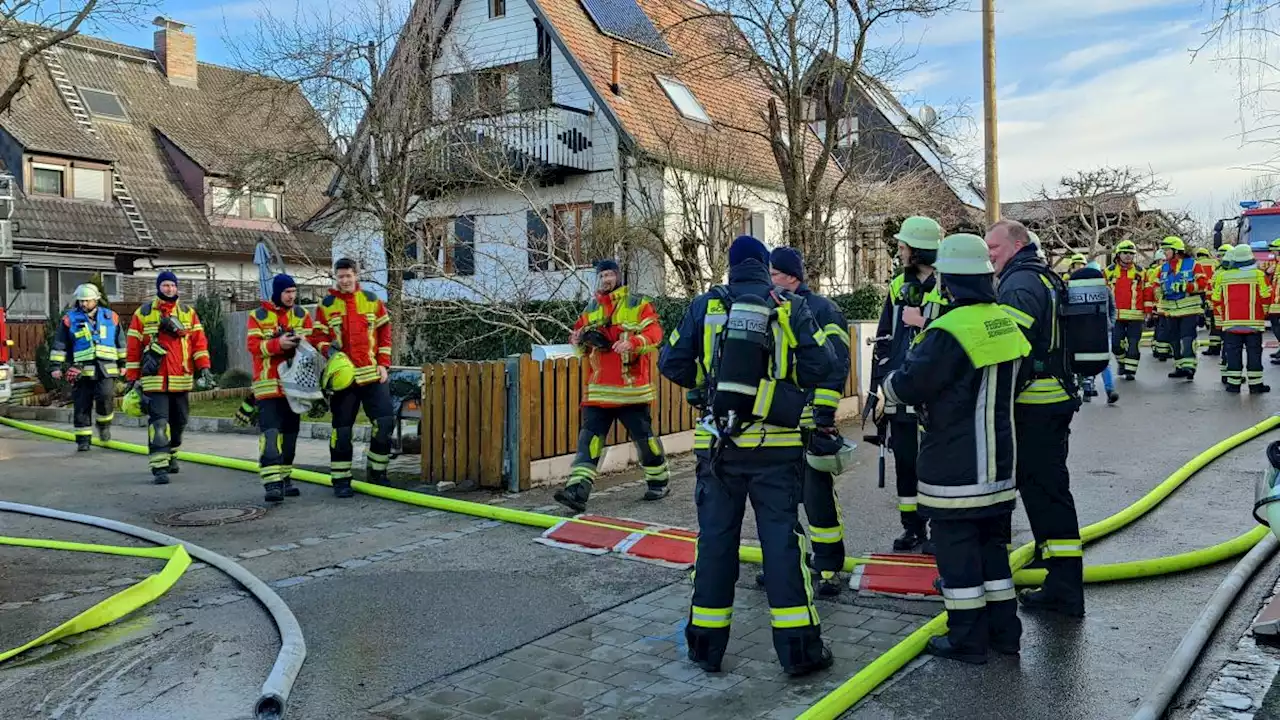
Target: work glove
column 73, row 373
column 247, row 414
column 205, row 381
column 1151, row 320
column 318, row 409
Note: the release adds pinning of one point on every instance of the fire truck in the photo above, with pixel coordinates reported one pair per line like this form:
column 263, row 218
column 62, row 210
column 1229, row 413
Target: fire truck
column 1257, row 225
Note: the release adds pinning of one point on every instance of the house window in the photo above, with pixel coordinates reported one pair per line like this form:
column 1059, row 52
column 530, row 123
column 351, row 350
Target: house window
column 32, row 303
column 264, row 206
column 571, row 223
column 682, row 97
column 103, row 105
column 89, row 184
column 69, row 280
column 47, row 179
column 737, row 221
column 433, row 253
column 224, row 202
column 499, row 89
column 497, row 8
column 443, row 247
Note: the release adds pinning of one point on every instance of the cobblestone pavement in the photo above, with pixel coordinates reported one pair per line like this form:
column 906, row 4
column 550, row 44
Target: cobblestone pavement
column 629, row 662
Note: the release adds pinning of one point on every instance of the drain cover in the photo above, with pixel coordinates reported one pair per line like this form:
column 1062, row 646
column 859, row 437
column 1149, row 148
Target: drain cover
column 211, row 515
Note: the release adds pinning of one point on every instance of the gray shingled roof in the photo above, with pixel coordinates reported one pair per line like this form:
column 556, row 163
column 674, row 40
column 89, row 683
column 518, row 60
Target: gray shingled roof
column 1044, row 211
column 213, row 124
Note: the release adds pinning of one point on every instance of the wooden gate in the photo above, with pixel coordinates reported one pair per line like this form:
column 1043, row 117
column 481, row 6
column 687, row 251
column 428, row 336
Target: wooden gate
column 464, row 409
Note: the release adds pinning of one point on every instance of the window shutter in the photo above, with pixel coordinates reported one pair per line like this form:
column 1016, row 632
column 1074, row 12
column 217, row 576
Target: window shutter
column 757, row 226
column 464, row 245
column 602, row 210
column 462, row 99
column 713, row 223
column 534, row 85
column 411, row 255
column 538, row 248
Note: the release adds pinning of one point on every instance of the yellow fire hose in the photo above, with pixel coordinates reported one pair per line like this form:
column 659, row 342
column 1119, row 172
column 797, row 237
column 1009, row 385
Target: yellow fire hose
column 857, row 687
column 116, row 606
column 880, row 669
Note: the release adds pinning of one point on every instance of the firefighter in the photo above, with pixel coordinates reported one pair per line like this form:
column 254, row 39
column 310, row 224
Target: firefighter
column 821, row 504
column 352, row 322
column 962, row 370
column 1157, row 316
column 274, row 331
column 1243, row 294
column 770, row 365
column 97, row 346
column 1077, row 261
column 1179, row 288
column 1208, row 265
column 616, row 333
column 1273, row 310
column 1126, row 281
column 900, row 321
column 167, row 348
column 1045, row 403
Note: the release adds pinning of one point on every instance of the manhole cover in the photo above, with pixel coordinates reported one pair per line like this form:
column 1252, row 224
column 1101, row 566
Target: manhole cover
column 211, row 515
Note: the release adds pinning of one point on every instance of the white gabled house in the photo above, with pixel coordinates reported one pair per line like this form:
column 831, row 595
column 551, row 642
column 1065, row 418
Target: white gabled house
column 606, row 118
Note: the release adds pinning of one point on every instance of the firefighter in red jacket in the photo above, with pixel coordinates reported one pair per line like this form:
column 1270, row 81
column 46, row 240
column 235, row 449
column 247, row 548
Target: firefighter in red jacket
column 616, row 333
column 274, row 331
column 1208, row 264
column 1242, row 294
column 166, row 349
column 354, row 322
column 1128, row 285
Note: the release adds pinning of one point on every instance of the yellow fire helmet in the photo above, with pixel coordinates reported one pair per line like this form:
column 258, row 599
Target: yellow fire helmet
column 132, row 403
column 339, row 373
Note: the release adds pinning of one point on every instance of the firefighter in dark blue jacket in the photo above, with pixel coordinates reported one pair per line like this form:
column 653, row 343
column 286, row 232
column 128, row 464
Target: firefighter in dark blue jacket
column 912, row 294
column 962, row 373
column 751, row 353
column 1047, row 400
column 88, row 350
column 821, row 504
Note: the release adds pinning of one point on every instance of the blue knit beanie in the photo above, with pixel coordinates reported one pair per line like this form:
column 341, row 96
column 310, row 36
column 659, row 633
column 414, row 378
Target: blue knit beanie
column 166, row 276
column 746, row 248
column 607, row 264
column 279, row 284
column 788, row 260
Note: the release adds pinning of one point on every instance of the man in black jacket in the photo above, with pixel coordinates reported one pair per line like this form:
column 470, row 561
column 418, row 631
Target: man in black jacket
column 962, row 371
column 1046, row 402
column 911, row 294
column 821, row 504
column 753, row 458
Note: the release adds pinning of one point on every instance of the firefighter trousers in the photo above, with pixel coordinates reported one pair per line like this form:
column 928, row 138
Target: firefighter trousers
column 596, row 423
column 1215, row 332
column 1161, row 344
column 1045, row 485
column 977, row 584
column 1274, row 321
column 904, row 439
column 770, row 479
column 89, row 395
column 375, row 398
column 1126, row 339
column 167, row 413
column 1243, row 353
column 826, row 521
column 1182, row 335
column 278, row 441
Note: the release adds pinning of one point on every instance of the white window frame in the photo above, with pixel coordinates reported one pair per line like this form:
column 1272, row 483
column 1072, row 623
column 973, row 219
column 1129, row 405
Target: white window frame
column 14, row 312
column 47, row 166
column 67, row 287
column 682, row 97
column 231, row 207
column 275, row 205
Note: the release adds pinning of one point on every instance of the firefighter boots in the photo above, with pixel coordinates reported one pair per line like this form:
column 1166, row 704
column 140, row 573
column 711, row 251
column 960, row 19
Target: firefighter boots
column 83, row 442
column 1259, row 388
column 342, row 488
column 910, row 539
column 657, row 491
column 160, row 478
column 1039, row 600
column 573, row 496
column 273, row 492
column 824, row 661
column 173, row 465
column 289, row 489
column 941, row 646
column 378, row 477
column 829, row 585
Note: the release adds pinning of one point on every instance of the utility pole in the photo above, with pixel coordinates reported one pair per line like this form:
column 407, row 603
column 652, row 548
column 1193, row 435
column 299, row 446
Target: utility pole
column 989, row 109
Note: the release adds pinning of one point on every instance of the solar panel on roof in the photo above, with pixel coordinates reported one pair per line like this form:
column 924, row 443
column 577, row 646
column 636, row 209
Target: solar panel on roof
column 624, row 20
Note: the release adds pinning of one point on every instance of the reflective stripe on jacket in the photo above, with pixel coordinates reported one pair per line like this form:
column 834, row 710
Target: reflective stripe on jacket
column 357, row 324
column 1242, row 296
column 265, row 326
column 1178, row 288
column 1127, row 287
column 615, row 379
column 94, row 340
column 183, row 355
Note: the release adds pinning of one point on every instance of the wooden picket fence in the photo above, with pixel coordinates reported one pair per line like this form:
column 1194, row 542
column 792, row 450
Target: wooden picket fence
column 465, row 416
column 26, row 337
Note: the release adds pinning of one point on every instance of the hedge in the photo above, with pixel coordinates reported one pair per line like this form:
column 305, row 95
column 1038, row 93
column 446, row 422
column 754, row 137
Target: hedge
column 464, row 337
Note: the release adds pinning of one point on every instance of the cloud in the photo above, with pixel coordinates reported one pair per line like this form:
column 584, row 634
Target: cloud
column 1162, row 111
column 1020, row 17
column 1104, row 52
column 922, row 77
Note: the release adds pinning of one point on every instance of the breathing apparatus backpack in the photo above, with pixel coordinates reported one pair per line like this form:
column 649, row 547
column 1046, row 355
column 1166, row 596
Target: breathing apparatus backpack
column 750, row 365
column 1086, row 322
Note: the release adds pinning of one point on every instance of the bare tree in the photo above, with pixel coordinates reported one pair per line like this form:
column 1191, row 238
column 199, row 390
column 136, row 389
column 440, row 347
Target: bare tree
column 1092, row 210
column 35, row 26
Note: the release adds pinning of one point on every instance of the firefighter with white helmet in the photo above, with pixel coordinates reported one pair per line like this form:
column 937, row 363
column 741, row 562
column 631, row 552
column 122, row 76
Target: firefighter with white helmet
column 962, row 371
column 89, row 351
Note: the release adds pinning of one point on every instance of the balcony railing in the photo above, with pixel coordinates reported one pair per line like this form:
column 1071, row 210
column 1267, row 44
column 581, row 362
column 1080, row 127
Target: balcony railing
column 553, row 137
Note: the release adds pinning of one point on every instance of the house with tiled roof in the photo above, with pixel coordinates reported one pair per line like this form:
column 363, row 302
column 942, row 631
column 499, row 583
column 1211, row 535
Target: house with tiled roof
column 630, row 117
column 127, row 161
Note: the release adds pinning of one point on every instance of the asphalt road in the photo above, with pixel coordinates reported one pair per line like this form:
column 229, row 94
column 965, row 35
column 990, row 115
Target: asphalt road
column 393, row 598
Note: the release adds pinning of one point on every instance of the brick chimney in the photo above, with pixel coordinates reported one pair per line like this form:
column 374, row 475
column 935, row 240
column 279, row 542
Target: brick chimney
column 175, row 51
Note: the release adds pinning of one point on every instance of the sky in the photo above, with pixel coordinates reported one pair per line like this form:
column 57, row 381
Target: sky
column 1081, row 84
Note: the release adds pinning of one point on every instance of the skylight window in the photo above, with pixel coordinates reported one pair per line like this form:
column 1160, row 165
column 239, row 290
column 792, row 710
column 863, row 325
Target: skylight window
column 103, row 104
column 682, row 97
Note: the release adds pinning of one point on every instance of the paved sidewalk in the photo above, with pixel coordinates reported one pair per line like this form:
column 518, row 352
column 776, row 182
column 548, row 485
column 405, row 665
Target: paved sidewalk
column 630, row 662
